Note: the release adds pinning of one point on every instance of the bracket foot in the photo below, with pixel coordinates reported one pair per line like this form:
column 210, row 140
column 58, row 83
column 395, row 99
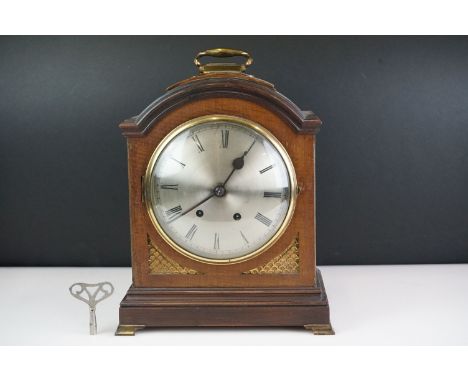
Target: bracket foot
column 128, row 330
column 320, row 329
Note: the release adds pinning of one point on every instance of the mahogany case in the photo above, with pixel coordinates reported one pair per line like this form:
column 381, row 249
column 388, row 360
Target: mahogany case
column 279, row 287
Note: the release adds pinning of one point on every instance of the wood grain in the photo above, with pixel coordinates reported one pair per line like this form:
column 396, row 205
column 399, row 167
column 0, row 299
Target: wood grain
column 160, row 307
column 301, row 150
column 238, row 86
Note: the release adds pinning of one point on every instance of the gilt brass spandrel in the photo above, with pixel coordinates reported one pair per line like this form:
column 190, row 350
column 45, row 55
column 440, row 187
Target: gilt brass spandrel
column 160, row 264
column 288, row 262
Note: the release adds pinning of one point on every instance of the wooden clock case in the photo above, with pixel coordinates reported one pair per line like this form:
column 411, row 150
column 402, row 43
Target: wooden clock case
column 279, row 287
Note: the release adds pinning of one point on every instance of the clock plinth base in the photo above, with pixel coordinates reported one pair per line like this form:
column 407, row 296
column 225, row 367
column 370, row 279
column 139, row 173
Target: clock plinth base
column 226, row 307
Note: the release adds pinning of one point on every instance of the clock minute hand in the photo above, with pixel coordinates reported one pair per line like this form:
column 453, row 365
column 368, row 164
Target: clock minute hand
column 192, row 208
column 238, row 163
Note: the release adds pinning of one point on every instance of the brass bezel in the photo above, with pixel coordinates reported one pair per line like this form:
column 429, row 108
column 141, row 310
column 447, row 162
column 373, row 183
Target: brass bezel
column 215, row 118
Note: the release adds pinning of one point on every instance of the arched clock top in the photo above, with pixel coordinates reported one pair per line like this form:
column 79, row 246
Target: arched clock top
column 228, row 85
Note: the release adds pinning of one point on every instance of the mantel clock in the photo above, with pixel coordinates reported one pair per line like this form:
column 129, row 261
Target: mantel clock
column 222, row 206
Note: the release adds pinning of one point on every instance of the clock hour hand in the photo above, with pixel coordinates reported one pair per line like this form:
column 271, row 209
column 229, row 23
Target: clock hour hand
column 238, row 163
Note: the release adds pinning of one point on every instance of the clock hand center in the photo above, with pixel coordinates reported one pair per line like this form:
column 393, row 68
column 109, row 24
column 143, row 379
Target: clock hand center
column 219, row 191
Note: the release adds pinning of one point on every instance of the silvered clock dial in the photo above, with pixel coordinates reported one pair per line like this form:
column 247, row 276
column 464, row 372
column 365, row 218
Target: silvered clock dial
column 220, row 189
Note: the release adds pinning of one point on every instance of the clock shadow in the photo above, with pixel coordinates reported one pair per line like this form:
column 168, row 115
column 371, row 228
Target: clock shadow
column 225, row 329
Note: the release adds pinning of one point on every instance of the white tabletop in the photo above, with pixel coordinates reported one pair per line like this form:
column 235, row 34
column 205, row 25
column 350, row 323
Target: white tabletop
column 375, row 305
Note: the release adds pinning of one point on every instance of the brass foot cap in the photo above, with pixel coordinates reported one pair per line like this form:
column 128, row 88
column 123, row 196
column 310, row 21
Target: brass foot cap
column 320, row 329
column 128, row 330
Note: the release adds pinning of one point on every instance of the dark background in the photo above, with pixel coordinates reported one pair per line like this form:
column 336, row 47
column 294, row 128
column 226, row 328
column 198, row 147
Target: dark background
column 392, row 157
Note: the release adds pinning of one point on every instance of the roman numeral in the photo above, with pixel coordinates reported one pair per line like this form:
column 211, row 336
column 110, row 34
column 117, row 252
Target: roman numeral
column 266, row 169
column 243, row 237
column 174, row 211
column 178, row 161
column 216, row 241
column 198, row 143
column 268, row 194
column 191, row 232
column 225, row 138
column 170, row 186
column 263, row 219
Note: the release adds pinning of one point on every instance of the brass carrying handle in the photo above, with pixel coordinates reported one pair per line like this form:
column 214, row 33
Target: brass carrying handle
column 220, row 66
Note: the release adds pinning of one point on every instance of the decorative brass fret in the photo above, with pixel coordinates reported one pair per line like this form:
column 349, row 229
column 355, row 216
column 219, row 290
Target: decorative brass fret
column 285, row 263
column 160, row 264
